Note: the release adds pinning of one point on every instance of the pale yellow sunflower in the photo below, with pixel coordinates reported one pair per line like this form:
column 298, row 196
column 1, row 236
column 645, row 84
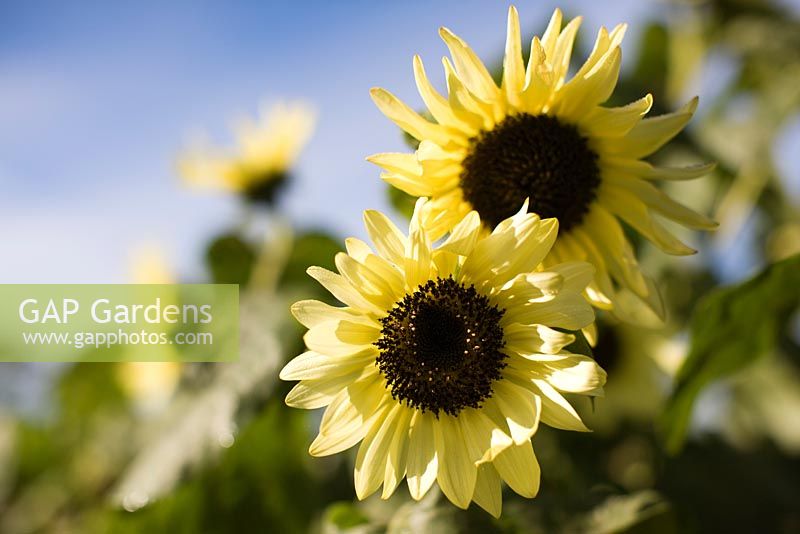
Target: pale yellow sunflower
column 150, row 384
column 541, row 136
column 260, row 163
column 444, row 360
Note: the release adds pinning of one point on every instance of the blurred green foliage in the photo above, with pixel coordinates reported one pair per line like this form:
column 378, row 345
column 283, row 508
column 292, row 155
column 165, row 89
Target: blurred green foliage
column 731, row 328
column 63, row 471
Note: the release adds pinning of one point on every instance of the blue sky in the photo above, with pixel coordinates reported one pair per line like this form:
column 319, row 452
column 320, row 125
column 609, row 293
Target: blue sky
column 97, row 98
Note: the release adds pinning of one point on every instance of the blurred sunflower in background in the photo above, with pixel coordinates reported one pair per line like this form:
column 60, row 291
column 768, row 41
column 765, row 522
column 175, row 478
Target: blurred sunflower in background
column 542, row 137
column 149, row 385
column 444, row 360
column 260, row 164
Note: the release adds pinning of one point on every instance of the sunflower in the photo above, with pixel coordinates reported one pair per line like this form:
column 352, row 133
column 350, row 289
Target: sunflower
column 540, row 136
column 150, row 384
column 266, row 150
column 443, row 361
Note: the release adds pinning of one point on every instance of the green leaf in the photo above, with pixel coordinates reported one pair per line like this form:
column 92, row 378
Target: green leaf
column 230, row 259
column 315, row 247
column 345, row 515
column 730, row 329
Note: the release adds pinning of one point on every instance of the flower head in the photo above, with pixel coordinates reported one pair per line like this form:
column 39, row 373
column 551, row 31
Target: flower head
column 444, row 360
column 259, row 165
column 541, row 136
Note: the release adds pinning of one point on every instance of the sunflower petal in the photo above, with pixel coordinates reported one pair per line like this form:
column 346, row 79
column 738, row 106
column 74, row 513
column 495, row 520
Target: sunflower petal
column 513, row 66
column 423, row 463
column 438, row 104
column 631, row 210
column 521, row 408
column 389, row 241
column 616, row 122
column 313, row 394
column 660, row 202
column 312, row 365
column 556, row 411
column 340, row 288
column 406, row 118
column 653, row 133
column 373, row 453
column 397, row 454
column 464, row 235
column 457, row 472
column 310, row 313
column 469, row 67
column 488, row 493
column 518, row 467
column 348, row 418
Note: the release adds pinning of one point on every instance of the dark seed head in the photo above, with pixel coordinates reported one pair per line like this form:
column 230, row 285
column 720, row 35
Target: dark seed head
column 263, row 189
column 440, row 347
column 531, row 156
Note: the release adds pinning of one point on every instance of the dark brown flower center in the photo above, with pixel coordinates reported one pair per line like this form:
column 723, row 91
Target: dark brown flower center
column 440, row 347
column 263, row 189
column 531, row 156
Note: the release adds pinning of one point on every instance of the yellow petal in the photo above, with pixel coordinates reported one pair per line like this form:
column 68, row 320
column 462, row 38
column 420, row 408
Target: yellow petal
column 457, row 472
column 397, row 163
column 389, row 241
column 488, row 493
column 615, row 122
column 312, row 394
column 628, row 168
column 576, row 374
column 446, row 263
column 653, row 133
column 466, row 104
column 312, row 365
column 373, row 453
column 570, row 373
column 422, row 463
column 464, row 235
column 416, row 187
column 565, row 310
column 618, row 256
column 371, row 285
column 562, row 52
column 663, row 204
column 517, row 465
column 439, row 106
column 348, row 418
column 469, row 67
column 529, row 340
column 538, row 80
column 418, row 259
column 581, row 94
column 398, row 453
column 631, row 210
column 406, row 118
column 534, row 240
column 513, row 66
column 342, row 290
column 342, row 338
column 357, row 249
column 313, row 312
column 521, row 408
column 556, row 411
column 550, row 35
column 484, row 440
column 576, row 275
